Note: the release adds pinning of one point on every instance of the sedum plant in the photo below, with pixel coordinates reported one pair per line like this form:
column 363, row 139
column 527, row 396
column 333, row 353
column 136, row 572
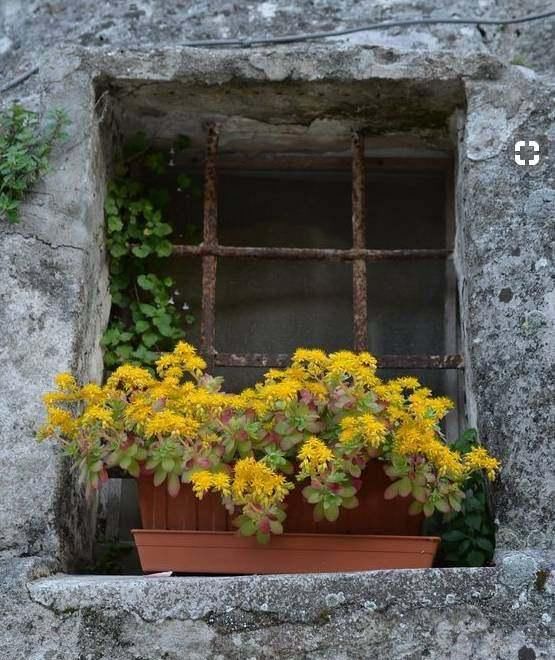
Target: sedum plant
column 315, row 424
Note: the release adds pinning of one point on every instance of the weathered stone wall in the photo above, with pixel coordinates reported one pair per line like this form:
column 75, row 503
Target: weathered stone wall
column 54, row 306
column 31, row 26
column 479, row 614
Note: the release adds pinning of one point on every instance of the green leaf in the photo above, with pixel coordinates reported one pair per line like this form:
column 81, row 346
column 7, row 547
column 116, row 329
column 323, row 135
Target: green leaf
column 162, row 229
column 168, row 464
column 248, row 527
column 350, row 503
column 331, row 512
column 453, row 536
column 146, row 282
column 164, row 249
column 142, row 326
column 484, row 544
column 474, row 520
column 150, row 338
column 173, row 485
column 312, row 495
column 404, row 487
column 276, row 527
column 318, row 512
column 428, row 509
column 159, row 477
column 391, row 491
column 141, row 251
column 114, row 223
column 148, row 310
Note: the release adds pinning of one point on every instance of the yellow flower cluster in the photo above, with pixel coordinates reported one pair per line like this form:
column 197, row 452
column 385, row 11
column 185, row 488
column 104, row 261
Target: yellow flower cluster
column 263, row 398
column 65, row 382
column 58, row 421
column 96, row 414
column 311, row 361
column 129, row 377
column 167, row 422
column 256, row 483
column 363, row 427
column 361, row 367
column 424, row 405
column 417, row 437
column 204, row 481
column 479, row 459
column 182, row 360
column 315, row 456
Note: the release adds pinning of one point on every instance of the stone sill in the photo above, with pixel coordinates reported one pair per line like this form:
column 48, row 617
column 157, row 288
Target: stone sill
column 285, row 598
column 438, row 614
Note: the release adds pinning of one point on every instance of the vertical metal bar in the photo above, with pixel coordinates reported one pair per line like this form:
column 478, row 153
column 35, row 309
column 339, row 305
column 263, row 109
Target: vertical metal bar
column 360, row 311
column 210, row 238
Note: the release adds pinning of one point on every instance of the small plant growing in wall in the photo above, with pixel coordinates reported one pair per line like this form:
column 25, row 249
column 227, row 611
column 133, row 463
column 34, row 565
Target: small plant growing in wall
column 25, row 147
column 144, row 319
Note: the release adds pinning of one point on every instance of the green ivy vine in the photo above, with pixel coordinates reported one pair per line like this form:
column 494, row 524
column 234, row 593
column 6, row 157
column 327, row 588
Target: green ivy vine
column 144, row 319
column 467, row 536
column 25, row 147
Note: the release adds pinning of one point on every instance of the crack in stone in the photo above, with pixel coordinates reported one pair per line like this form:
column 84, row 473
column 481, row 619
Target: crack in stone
column 27, row 237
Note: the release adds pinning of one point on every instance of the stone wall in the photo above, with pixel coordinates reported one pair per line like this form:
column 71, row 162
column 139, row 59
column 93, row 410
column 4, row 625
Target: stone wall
column 448, row 614
column 55, row 305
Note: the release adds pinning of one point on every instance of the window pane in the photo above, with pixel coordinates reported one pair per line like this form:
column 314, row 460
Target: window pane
column 406, row 307
column 405, row 209
column 276, row 306
column 285, row 209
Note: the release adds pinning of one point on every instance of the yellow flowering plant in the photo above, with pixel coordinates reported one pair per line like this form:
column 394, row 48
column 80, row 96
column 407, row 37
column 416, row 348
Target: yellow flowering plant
column 317, row 422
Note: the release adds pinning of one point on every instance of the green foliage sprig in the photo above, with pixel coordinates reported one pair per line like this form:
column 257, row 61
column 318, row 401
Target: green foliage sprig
column 144, row 319
column 25, row 147
column 468, row 535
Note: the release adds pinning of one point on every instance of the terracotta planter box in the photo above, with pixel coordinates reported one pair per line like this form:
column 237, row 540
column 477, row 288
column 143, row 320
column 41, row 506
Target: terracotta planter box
column 228, row 553
column 188, row 535
column 374, row 515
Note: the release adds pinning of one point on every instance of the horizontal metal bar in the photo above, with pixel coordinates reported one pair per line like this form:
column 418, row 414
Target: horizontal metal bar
column 384, row 361
column 324, row 254
column 246, row 164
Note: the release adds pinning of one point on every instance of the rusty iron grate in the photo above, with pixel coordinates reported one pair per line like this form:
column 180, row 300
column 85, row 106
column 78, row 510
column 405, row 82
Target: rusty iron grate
column 210, row 251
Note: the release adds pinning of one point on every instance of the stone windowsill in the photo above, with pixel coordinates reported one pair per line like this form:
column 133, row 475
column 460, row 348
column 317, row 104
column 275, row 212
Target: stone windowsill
column 503, row 611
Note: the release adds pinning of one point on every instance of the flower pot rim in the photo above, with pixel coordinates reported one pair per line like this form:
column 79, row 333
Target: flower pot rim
column 194, row 532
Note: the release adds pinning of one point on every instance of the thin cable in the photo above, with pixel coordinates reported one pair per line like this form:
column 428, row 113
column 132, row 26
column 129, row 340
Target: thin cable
column 295, row 38
column 372, row 26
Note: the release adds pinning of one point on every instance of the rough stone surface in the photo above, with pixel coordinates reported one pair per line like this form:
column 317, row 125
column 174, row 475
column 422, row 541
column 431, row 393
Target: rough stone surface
column 53, row 308
column 33, row 25
column 506, row 218
column 54, row 305
column 439, row 614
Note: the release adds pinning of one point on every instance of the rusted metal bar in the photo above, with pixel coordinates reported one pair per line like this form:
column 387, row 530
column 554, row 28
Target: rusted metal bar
column 241, row 164
column 309, row 254
column 384, row 361
column 210, row 240
column 360, row 311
